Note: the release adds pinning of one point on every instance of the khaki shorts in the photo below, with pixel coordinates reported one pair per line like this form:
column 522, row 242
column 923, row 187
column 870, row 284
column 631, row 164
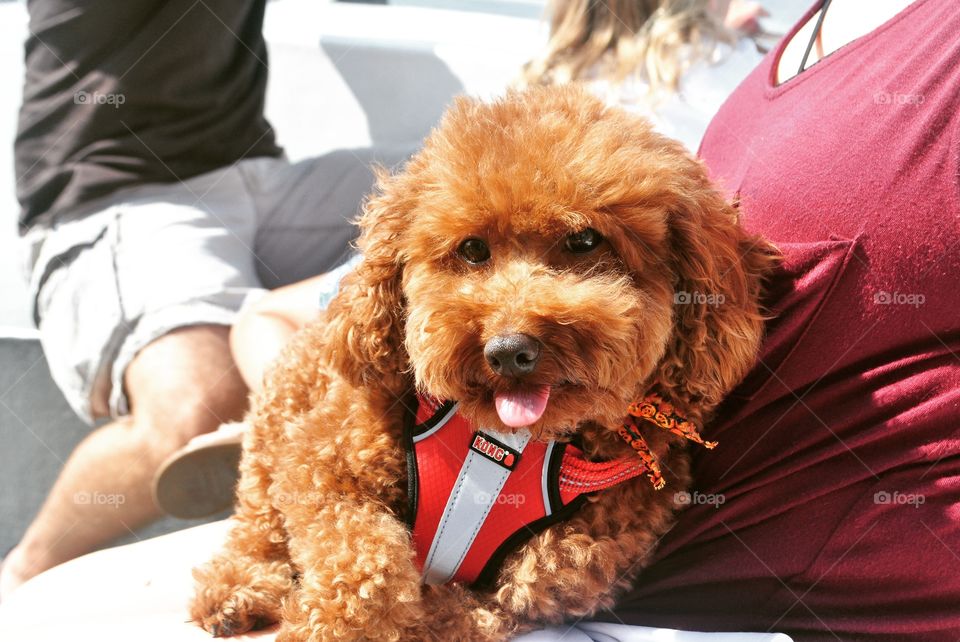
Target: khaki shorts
column 109, row 278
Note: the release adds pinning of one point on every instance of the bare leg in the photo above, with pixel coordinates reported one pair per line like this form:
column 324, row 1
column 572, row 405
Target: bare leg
column 181, row 385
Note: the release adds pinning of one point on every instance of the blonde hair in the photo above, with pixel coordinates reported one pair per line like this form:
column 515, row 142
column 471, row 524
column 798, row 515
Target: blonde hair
column 620, row 37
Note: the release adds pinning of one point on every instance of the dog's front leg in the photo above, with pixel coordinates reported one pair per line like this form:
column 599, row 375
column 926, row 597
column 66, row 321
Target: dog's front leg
column 358, row 579
column 359, row 582
column 576, row 568
column 455, row 612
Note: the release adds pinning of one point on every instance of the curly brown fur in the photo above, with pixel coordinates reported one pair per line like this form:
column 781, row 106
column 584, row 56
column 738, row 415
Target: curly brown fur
column 320, row 542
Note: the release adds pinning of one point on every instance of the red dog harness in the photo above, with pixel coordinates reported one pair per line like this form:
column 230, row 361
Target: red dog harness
column 475, row 495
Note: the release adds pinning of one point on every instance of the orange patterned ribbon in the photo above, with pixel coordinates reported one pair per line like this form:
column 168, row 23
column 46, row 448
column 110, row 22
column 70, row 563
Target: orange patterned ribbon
column 664, row 415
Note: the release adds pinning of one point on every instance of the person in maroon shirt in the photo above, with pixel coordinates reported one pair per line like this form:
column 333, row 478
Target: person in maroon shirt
column 839, row 464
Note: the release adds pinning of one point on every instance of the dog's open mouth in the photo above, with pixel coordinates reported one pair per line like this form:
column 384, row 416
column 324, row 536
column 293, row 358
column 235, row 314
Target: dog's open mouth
column 523, row 407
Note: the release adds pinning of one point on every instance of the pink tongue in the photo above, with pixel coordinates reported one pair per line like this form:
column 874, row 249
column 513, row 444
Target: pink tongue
column 518, row 409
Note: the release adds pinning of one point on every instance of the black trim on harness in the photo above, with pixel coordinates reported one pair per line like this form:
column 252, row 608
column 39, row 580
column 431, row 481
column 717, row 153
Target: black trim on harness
column 412, row 429
column 409, row 425
column 553, row 477
column 442, row 411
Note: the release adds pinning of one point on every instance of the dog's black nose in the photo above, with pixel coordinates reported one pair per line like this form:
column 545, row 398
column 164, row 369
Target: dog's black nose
column 512, row 355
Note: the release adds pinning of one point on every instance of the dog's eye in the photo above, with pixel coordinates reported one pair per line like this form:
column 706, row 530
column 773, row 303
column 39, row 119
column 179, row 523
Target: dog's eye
column 584, row 241
column 474, row 251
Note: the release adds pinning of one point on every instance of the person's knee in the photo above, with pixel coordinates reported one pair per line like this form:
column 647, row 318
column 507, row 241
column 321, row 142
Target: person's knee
column 185, row 384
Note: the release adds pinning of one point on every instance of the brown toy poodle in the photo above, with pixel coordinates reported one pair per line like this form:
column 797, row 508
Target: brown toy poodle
column 470, row 442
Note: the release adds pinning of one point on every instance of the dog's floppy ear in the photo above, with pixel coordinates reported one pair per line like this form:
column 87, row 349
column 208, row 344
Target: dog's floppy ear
column 718, row 321
column 365, row 321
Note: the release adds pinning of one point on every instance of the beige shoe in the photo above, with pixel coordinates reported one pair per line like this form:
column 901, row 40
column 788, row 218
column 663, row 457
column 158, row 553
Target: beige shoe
column 200, row 479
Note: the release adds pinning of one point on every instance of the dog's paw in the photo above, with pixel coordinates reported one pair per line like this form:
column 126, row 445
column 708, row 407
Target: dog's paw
column 232, row 616
column 236, row 596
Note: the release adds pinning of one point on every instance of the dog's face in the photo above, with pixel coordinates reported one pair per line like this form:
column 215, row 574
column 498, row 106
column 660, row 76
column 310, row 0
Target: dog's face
column 528, row 299
column 544, row 260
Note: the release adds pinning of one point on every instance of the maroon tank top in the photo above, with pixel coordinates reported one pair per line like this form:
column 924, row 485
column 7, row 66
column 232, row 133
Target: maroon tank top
column 839, row 461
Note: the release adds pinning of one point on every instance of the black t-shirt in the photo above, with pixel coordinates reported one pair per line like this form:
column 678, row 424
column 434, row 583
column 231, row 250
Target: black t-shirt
column 122, row 93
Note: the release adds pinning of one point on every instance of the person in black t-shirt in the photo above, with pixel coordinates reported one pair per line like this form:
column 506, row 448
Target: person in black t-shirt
column 118, row 95
column 155, row 202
